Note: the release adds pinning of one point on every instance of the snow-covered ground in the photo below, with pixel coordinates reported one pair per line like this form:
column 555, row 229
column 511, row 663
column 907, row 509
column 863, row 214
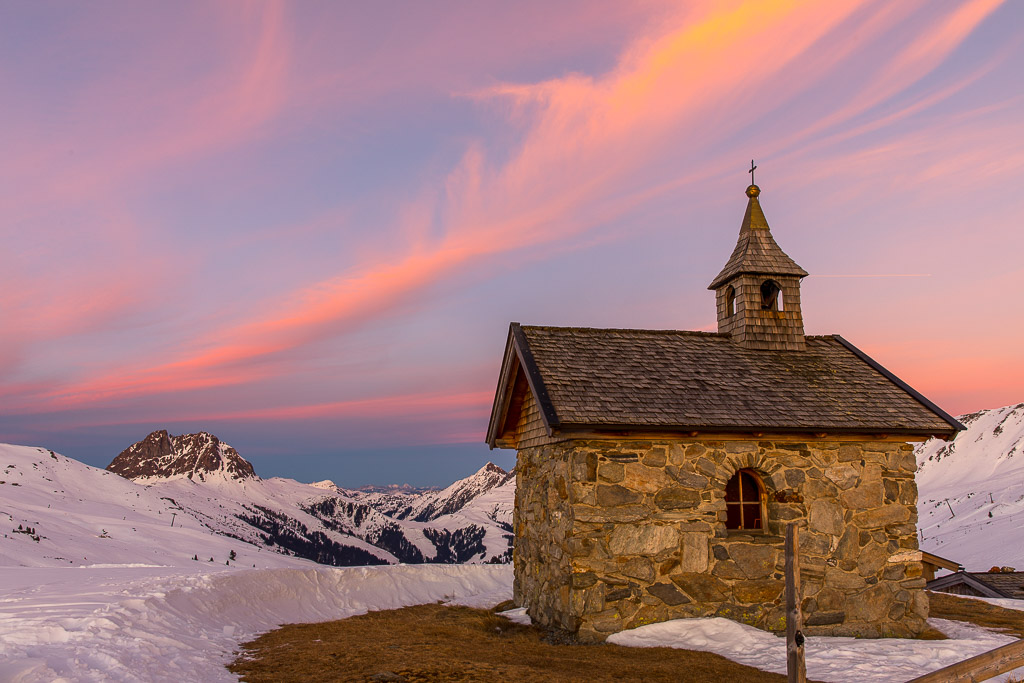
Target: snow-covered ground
column 171, row 624
column 151, row 624
column 828, row 659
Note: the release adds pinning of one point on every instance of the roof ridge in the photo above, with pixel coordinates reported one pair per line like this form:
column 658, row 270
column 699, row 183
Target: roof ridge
column 574, row 328
column 694, row 333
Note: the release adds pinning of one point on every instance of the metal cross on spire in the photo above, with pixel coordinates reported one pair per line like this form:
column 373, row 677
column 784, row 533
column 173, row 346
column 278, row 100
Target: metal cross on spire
column 751, row 172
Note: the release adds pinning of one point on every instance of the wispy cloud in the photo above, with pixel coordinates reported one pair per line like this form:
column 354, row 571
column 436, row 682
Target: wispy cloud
column 111, row 137
column 584, row 141
column 553, row 163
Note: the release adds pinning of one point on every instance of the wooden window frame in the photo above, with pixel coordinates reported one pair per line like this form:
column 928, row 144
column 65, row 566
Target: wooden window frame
column 730, row 301
column 762, row 500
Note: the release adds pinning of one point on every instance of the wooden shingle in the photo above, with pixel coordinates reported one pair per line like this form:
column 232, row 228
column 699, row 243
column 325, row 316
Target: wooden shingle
column 666, row 380
column 756, row 250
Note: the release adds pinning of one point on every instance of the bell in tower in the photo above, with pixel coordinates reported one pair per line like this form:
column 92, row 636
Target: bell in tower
column 758, row 290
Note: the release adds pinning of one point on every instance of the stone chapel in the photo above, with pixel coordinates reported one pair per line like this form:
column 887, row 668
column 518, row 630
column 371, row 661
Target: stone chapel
column 657, row 469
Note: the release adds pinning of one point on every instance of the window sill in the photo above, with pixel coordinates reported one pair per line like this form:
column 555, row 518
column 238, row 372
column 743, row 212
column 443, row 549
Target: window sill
column 752, row 536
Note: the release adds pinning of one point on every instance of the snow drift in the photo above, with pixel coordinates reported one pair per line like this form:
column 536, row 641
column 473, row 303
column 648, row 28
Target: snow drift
column 140, row 624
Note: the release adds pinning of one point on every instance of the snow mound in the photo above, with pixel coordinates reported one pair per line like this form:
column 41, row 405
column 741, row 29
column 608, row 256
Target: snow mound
column 144, row 624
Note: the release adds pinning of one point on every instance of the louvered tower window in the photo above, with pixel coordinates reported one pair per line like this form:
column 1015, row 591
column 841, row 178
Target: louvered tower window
column 771, row 296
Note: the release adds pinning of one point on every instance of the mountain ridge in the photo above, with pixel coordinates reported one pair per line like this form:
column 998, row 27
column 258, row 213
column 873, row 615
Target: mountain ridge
column 971, row 491
column 970, row 505
column 194, row 483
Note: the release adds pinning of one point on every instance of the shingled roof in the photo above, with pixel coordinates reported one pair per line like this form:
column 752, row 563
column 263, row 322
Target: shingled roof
column 987, row 584
column 665, row 380
column 756, row 250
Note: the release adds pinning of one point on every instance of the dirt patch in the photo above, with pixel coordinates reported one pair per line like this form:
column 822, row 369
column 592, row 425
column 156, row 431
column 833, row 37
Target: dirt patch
column 978, row 612
column 438, row 643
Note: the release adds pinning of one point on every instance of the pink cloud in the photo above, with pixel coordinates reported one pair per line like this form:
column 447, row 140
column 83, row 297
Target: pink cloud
column 918, row 58
column 440, row 406
column 112, row 135
column 583, row 150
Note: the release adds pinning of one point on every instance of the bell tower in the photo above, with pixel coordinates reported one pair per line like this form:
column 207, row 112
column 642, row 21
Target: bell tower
column 758, row 291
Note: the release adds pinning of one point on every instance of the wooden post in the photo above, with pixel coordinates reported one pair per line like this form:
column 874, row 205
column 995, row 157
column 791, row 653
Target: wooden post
column 795, row 667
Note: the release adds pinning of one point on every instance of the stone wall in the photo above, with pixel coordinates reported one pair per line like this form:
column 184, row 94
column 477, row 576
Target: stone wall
column 543, row 526
column 616, row 534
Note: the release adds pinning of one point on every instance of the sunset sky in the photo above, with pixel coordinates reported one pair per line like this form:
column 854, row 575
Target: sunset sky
column 305, row 227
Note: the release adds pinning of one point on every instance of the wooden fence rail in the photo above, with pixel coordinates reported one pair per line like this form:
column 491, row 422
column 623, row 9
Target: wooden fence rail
column 980, row 668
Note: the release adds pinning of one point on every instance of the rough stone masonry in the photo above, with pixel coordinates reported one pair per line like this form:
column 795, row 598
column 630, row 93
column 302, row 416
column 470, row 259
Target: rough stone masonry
column 617, row 534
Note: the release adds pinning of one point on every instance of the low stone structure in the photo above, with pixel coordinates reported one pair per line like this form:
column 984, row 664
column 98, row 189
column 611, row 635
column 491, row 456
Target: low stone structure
column 618, row 533
column 657, row 469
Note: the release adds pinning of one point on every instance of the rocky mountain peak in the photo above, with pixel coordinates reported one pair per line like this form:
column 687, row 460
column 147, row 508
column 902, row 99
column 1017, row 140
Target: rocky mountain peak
column 458, row 495
column 196, row 456
column 493, row 470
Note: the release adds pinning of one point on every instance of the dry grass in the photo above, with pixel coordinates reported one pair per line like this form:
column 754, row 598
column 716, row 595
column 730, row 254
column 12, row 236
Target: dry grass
column 947, row 606
column 437, row 643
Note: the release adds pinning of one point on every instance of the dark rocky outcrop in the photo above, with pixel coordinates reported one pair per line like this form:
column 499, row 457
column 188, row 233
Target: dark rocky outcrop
column 196, row 456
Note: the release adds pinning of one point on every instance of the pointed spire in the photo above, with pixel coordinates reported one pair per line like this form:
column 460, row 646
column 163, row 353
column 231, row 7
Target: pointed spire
column 757, row 294
column 756, row 251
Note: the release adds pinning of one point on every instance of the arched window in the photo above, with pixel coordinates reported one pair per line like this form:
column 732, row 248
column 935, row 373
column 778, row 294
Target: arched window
column 730, row 301
column 744, row 501
column 771, row 296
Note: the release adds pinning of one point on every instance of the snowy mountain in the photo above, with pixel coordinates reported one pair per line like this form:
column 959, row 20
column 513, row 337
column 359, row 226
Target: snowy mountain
column 971, row 491
column 195, row 456
column 189, row 496
column 55, row 511
column 427, row 506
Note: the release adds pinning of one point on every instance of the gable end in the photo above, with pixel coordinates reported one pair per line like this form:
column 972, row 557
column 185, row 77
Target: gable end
column 511, row 404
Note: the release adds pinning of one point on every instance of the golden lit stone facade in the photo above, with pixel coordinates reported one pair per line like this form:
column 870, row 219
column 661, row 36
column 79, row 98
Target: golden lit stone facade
column 612, row 534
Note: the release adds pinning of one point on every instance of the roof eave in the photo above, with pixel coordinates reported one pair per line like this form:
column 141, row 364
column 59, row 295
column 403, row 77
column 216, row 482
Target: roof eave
column 965, row 577
column 567, row 428
column 941, row 562
column 724, row 276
